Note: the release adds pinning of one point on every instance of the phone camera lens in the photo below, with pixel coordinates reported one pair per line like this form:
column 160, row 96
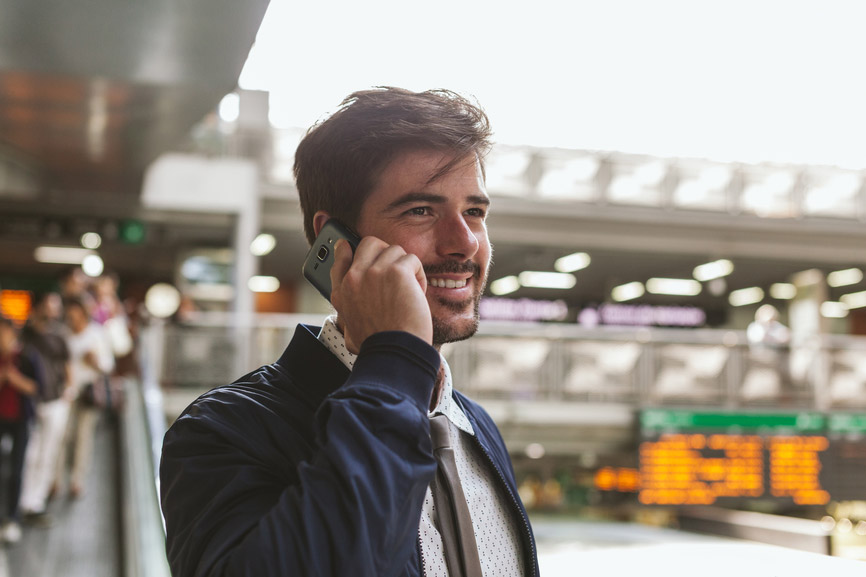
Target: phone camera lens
column 322, row 254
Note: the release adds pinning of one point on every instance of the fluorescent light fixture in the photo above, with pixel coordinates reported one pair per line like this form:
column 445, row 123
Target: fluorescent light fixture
column 505, row 285
column 845, row 277
column 854, row 300
column 627, row 292
column 746, row 296
column 92, row 265
column 834, row 310
column 572, row 262
column 263, row 244
column 783, row 291
column 60, row 254
column 673, row 286
column 263, row 284
column 712, row 270
column 551, row 280
column 91, row 240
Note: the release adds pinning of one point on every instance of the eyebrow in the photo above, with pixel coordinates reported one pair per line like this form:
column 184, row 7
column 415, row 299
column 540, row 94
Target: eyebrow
column 413, row 197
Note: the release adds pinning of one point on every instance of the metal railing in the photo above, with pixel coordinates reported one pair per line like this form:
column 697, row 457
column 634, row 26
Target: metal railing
column 644, row 367
column 141, row 429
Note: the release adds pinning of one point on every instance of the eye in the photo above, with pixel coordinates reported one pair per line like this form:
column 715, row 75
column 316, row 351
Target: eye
column 419, row 211
column 476, row 212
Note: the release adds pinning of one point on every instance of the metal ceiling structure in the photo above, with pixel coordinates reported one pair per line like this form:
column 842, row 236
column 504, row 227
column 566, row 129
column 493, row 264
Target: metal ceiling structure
column 91, row 92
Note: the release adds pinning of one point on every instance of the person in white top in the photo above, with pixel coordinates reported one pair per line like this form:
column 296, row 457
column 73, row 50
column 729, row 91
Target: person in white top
column 91, row 362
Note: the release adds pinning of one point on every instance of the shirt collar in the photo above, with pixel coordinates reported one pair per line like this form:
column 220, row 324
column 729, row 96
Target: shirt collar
column 332, row 338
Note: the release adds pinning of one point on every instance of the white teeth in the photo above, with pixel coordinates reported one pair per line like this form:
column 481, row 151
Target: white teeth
column 446, row 283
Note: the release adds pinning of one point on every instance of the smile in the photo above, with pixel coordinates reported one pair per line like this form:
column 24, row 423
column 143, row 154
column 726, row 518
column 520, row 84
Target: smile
column 446, row 283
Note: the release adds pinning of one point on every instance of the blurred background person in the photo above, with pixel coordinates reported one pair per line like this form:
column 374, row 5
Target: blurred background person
column 110, row 312
column 20, row 374
column 75, row 285
column 769, row 342
column 43, row 334
column 91, row 363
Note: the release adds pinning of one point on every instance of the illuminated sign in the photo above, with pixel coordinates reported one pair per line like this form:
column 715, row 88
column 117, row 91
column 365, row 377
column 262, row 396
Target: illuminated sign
column 642, row 316
column 524, row 310
column 15, row 305
column 702, row 458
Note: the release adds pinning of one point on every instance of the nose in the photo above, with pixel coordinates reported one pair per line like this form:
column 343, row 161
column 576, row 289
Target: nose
column 456, row 238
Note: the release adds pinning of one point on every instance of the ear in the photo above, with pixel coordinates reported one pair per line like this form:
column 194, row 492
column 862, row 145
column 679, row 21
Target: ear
column 319, row 220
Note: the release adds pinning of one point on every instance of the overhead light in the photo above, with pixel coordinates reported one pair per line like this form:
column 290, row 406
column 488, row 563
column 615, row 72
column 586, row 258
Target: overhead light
column 845, row 277
column 505, row 285
column 551, row 280
column 716, row 177
column 162, row 300
column 834, row 310
column 627, row 292
column 230, row 107
column 263, row 284
column 854, row 300
column 573, row 262
column 535, row 450
column 746, row 296
column 651, row 174
column 783, row 291
column 91, row 240
column 92, row 265
column 712, row 270
column 673, row 286
column 263, row 244
column 60, row 254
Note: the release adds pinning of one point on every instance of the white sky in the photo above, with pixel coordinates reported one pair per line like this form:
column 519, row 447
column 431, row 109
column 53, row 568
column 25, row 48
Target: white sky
column 753, row 80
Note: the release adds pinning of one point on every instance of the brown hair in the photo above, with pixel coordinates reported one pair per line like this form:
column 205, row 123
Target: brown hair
column 339, row 160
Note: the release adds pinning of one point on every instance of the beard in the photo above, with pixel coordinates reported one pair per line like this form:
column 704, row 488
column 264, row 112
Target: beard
column 449, row 329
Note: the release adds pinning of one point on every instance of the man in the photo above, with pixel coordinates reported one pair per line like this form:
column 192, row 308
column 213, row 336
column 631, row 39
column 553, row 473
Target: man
column 43, row 333
column 321, row 464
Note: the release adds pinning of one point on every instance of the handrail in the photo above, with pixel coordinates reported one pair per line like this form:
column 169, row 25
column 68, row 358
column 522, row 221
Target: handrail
column 141, row 429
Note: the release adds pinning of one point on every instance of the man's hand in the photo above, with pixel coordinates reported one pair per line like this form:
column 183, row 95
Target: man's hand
column 382, row 289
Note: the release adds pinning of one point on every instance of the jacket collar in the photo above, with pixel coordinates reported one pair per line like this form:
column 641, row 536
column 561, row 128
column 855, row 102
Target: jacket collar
column 314, row 370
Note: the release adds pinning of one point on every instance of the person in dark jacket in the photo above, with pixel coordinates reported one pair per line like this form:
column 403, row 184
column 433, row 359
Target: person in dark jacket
column 21, row 376
column 321, row 463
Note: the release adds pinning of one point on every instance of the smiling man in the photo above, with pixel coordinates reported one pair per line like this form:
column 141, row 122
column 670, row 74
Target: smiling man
column 323, row 463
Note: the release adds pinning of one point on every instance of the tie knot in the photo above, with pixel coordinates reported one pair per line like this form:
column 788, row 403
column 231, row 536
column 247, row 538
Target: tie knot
column 439, row 432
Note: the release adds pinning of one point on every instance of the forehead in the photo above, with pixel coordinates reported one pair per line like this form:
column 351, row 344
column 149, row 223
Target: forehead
column 428, row 170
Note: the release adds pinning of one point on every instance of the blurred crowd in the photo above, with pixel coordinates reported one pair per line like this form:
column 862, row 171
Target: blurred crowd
column 60, row 373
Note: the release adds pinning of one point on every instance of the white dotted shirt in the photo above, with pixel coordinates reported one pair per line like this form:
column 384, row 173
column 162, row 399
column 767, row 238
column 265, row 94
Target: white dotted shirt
column 496, row 531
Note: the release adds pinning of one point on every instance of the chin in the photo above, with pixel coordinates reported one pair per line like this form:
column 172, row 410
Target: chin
column 451, row 326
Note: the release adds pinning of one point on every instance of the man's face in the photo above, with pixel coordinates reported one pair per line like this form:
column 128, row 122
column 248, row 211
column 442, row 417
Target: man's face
column 443, row 224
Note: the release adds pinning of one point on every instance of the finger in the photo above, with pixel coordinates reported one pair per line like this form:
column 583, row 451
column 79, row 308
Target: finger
column 342, row 262
column 413, row 263
column 367, row 252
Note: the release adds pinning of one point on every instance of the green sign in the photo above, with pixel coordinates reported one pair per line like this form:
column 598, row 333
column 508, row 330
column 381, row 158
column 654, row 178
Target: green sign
column 672, row 420
column 847, row 423
column 132, row 231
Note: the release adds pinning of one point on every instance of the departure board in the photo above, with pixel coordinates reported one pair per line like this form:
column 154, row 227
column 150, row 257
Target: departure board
column 844, row 472
column 701, row 458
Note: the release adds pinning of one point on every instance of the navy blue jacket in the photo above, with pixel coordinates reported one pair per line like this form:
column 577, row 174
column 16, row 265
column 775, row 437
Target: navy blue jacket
column 303, row 468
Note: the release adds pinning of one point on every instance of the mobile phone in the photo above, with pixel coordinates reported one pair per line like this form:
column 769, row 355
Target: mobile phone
column 320, row 259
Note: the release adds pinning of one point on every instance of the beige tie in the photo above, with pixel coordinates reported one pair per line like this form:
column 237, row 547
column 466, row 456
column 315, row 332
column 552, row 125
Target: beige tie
column 452, row 512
